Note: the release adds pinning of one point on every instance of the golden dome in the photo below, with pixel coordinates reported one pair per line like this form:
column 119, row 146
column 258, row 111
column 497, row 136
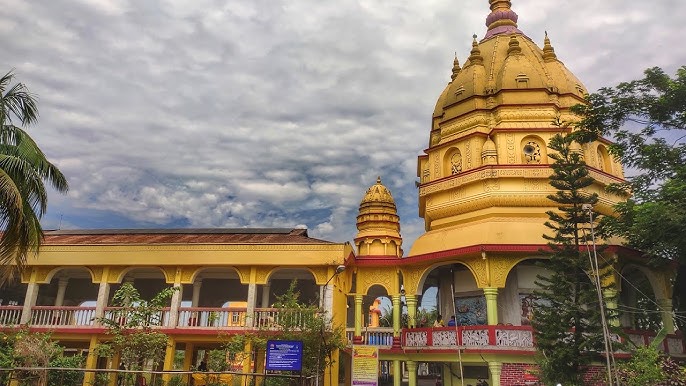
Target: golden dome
column 378, row 224
column 378, row 193
column 506, row 59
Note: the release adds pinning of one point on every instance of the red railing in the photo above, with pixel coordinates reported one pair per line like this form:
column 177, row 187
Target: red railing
column 519, row 338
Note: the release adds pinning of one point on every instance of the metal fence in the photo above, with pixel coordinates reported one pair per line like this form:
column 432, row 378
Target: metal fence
column 58, row 376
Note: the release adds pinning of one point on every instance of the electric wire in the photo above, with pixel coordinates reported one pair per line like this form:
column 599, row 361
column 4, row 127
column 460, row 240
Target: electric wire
column 609, row 351
column 457, row 332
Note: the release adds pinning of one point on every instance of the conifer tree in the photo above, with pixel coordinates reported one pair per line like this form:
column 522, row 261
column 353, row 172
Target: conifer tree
column 567, row 320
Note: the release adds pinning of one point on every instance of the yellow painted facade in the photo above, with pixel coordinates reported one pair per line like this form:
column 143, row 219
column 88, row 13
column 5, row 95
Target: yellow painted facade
column 483, row 187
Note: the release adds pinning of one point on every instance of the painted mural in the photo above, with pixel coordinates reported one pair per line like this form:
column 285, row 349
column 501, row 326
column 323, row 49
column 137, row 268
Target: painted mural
column 470, row 310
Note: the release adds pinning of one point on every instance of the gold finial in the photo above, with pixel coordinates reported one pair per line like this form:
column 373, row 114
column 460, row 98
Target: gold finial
column 500, row 4
column 548, row 50
column 475, row 55
column 378, row 179
column 514, row 48
column 456, row 68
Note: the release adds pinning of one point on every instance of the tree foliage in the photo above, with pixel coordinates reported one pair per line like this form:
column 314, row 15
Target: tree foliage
column 131, row 325
column 567, row 320
column 23, row 171
column 647, row 120
column 296, row 321
column 23, row 348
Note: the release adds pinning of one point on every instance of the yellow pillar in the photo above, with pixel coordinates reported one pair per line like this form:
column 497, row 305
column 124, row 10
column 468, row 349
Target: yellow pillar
column 188, row 356
column 259, row 365
column 411, row 311
column 411, row 373
column 358, row 315
column 491, row 295
column 169, row 358
column 112, row 378
column 331, row 371
column 495, row 368
column 247, row 361
column 91, row 362
column 397, row 375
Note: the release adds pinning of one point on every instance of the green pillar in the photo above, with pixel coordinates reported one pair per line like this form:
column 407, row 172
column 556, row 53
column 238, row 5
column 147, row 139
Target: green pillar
column 610, row 295
column 397, row 374
column 667, row 317
column 495, row 369
column 358, row 315
column 396, row 315
column 411, row 311
column 491, row 305
column 411, row 373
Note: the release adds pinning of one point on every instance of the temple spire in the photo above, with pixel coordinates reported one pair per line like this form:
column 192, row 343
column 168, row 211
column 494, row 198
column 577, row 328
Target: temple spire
column 502, row 19
column 475, row 56
column 456, row 68
column 548, row 50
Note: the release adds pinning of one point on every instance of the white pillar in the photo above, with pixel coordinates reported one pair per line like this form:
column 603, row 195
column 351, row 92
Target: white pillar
column 250, row 310
column 61, row 290
column 328, row 300
column 177, row 296
column 101, row 303
column 197, row 285
column 265, row 295
column 29, row 302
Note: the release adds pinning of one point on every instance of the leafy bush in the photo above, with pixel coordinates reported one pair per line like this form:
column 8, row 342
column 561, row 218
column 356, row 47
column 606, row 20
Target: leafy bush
column 66, row 377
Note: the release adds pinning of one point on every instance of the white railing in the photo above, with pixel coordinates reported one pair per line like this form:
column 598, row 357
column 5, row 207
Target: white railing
column 10, row 315
column 46, row 316
column 211, row 317
column 122, row 317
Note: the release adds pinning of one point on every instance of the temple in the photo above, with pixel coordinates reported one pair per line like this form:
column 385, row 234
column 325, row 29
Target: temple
column 482, row 192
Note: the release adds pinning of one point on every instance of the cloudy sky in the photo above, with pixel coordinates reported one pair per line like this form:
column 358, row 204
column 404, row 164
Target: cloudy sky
column 272, row 113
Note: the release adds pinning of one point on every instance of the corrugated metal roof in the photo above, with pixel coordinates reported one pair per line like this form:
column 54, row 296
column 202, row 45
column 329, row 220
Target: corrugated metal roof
column 181, row 236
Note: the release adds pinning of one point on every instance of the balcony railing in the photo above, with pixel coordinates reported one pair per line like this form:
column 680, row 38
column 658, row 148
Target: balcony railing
column 10, row 315
column 506, row 338
column 45, row 316
column 375, row 336
column 211, row 317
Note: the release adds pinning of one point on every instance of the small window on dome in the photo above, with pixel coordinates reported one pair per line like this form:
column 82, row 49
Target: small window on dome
column 522, row 81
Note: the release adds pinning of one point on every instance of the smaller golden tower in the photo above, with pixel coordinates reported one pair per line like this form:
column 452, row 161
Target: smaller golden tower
column 378, row 224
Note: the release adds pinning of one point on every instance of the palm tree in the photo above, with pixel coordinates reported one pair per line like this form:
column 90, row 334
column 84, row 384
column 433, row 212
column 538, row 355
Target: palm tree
column 23, row 171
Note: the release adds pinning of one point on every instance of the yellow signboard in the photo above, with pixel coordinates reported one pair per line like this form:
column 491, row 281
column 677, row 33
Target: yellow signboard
column 365, row 366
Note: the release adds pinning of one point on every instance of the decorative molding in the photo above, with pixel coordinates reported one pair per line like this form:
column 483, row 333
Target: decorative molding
column 412, row 277
column 193, row 247
column 475, row 337
column 514, row 338
column 262, row 274
column 368, row 277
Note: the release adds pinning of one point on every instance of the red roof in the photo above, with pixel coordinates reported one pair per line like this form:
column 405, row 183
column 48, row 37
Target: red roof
column 180, row 236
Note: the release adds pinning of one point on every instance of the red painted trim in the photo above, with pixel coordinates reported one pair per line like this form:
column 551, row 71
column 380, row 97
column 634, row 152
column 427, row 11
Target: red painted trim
column 450, row 254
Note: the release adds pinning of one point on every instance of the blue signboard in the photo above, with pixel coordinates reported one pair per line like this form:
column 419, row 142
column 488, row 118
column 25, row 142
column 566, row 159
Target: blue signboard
column 284, row 355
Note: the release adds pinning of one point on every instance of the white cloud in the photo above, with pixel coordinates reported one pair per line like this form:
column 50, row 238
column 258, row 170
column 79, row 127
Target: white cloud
column 273, row 113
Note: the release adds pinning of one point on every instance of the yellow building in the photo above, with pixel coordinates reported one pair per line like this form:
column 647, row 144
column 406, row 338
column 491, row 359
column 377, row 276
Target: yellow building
column 483, row 187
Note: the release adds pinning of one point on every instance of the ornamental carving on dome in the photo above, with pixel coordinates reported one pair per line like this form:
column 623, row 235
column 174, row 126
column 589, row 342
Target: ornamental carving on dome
column 378, row 193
